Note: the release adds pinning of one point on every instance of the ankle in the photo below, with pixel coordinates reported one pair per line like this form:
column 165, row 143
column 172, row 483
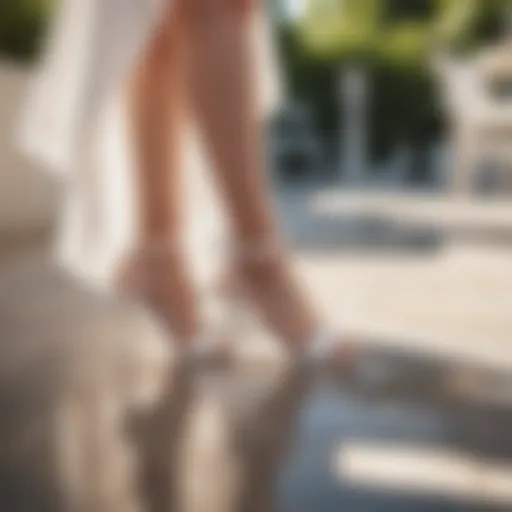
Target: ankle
column 257, row 250
column 262, row 272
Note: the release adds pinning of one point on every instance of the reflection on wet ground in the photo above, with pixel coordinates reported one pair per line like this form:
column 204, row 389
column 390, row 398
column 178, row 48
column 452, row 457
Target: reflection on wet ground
column 425, row 435
column 289, row 440
column 288, row 436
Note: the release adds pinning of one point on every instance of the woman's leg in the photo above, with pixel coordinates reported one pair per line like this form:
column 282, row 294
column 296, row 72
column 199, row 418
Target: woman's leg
column 158, row 117
column 223, row 72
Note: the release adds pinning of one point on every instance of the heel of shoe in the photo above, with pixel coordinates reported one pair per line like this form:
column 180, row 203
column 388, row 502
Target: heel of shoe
column 235, row 315
column 325, row 349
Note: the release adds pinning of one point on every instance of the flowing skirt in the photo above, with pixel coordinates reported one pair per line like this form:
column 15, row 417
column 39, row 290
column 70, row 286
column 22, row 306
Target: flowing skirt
column 74, row 123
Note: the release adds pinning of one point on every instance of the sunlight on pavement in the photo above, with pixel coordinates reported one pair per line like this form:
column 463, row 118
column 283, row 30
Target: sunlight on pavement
column 421, row 469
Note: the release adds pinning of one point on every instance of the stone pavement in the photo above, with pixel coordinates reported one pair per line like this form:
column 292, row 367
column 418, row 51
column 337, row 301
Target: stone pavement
column 456, row 303
column 433, row 435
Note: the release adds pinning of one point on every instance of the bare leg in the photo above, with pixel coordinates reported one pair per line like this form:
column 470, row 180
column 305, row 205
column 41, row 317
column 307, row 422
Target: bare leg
column 158, row 116
column 225, row 99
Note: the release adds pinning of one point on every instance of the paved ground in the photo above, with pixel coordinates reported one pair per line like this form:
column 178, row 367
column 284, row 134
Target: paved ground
column 428, row 435
column 431, row 434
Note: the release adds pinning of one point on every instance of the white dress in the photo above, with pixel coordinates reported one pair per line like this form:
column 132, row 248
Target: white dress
column 73, row 123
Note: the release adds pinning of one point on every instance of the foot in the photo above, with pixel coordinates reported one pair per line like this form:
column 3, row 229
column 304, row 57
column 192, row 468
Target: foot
column 158, row 279
column 268, row 283
column 331, row 349
column 143, row 276
column 212, row 350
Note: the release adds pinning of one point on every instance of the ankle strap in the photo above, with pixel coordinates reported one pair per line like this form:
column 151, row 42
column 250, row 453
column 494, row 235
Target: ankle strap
column 238, row 251
column 321, row 344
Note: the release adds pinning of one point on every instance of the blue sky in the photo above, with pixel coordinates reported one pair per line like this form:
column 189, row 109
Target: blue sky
column 293, row 7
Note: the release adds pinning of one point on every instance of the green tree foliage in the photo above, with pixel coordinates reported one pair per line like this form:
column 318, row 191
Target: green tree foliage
column 22, row 25
column 310, row 79
column 394, row 40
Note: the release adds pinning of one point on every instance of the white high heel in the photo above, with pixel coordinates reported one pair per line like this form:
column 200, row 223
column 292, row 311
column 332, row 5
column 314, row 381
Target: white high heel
column 134, row 282
column 324, row 348
column 208, row 349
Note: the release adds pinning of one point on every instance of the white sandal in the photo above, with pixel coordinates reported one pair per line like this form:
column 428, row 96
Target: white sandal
column 207, row 347
column 324, row 347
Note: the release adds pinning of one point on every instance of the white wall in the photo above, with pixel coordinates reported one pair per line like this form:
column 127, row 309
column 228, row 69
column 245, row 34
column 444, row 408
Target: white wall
column 27, row 195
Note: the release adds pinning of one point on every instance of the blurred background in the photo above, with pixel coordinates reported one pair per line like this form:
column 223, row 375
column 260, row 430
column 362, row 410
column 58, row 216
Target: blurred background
column 392, row 163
